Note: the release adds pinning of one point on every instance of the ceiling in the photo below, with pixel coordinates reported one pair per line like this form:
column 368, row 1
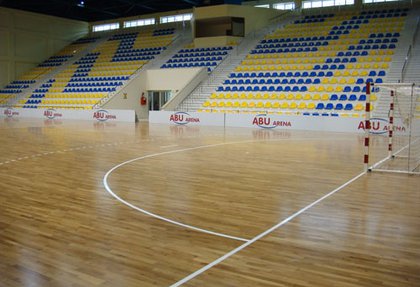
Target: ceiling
column 97, row 10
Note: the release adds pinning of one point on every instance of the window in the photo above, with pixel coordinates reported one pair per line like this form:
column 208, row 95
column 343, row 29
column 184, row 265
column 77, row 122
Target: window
column 284, row 6
column 175, row 18
column 263, row 6
column 377, row 1
column 106, row 27
column 326, row 3
column 139, row 22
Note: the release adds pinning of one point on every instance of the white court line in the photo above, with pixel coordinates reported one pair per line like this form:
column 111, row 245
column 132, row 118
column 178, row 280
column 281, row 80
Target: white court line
column 56, row 152
column 109, row 190
column 168, row 146
column 261, row 235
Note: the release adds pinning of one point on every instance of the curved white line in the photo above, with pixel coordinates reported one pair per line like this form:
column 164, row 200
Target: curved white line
column 109, row 190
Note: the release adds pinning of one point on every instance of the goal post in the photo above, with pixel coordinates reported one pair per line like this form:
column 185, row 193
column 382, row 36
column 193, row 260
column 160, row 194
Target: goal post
column 395, row 129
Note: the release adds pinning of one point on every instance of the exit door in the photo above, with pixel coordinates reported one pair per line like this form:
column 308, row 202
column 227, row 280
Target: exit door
column 157, row 99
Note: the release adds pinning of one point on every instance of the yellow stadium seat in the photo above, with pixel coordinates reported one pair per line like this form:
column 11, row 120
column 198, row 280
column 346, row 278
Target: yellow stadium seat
column 359, row 107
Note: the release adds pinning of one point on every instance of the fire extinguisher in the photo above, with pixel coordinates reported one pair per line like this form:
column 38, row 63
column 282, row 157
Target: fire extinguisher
column 143, row 100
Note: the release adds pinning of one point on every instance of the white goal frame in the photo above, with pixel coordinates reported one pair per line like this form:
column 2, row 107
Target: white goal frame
column 413, row 132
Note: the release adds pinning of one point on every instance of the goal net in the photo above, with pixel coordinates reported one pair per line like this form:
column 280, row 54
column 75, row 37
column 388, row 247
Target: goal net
column 396, row 131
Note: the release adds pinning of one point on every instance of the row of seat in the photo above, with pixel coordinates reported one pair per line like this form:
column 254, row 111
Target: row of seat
column 301, row 81
column 89, row 90
column 302, row 88
column 295, row 96
column 306, row 74
column 189, row 65
column 98, row 79
column 320, row 60
column 200, row 54
column 198, row 59
column 285, row 105
column 66, row 107
column 205, row 49
column 94, row 84
column 60, row 95
column 298, row 39
column 10, row 91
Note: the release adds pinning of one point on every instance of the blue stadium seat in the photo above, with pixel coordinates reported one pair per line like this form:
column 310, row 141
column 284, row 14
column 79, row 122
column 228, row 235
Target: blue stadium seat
column 333, row 97
column 348, row 107
column 352, row 97
column 343, row 97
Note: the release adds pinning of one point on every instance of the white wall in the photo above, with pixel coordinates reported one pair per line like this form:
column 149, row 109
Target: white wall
column 27, row 39
column 170, row 79
column 175, row 80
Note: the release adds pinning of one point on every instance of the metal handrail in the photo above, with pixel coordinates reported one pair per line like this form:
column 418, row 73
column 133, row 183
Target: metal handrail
column 415, row 32
column 409, row 51
column 404, row 67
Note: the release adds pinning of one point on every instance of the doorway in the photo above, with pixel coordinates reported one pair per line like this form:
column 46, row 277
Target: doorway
column 157, row 99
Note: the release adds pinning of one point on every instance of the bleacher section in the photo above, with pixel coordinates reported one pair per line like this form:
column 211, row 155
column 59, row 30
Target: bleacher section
column 25, row 81
column 209, row 57
column 59, row 59
column 316, row 66
column 84, row 83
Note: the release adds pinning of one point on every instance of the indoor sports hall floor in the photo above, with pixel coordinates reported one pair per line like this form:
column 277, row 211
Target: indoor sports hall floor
column 103, row 204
